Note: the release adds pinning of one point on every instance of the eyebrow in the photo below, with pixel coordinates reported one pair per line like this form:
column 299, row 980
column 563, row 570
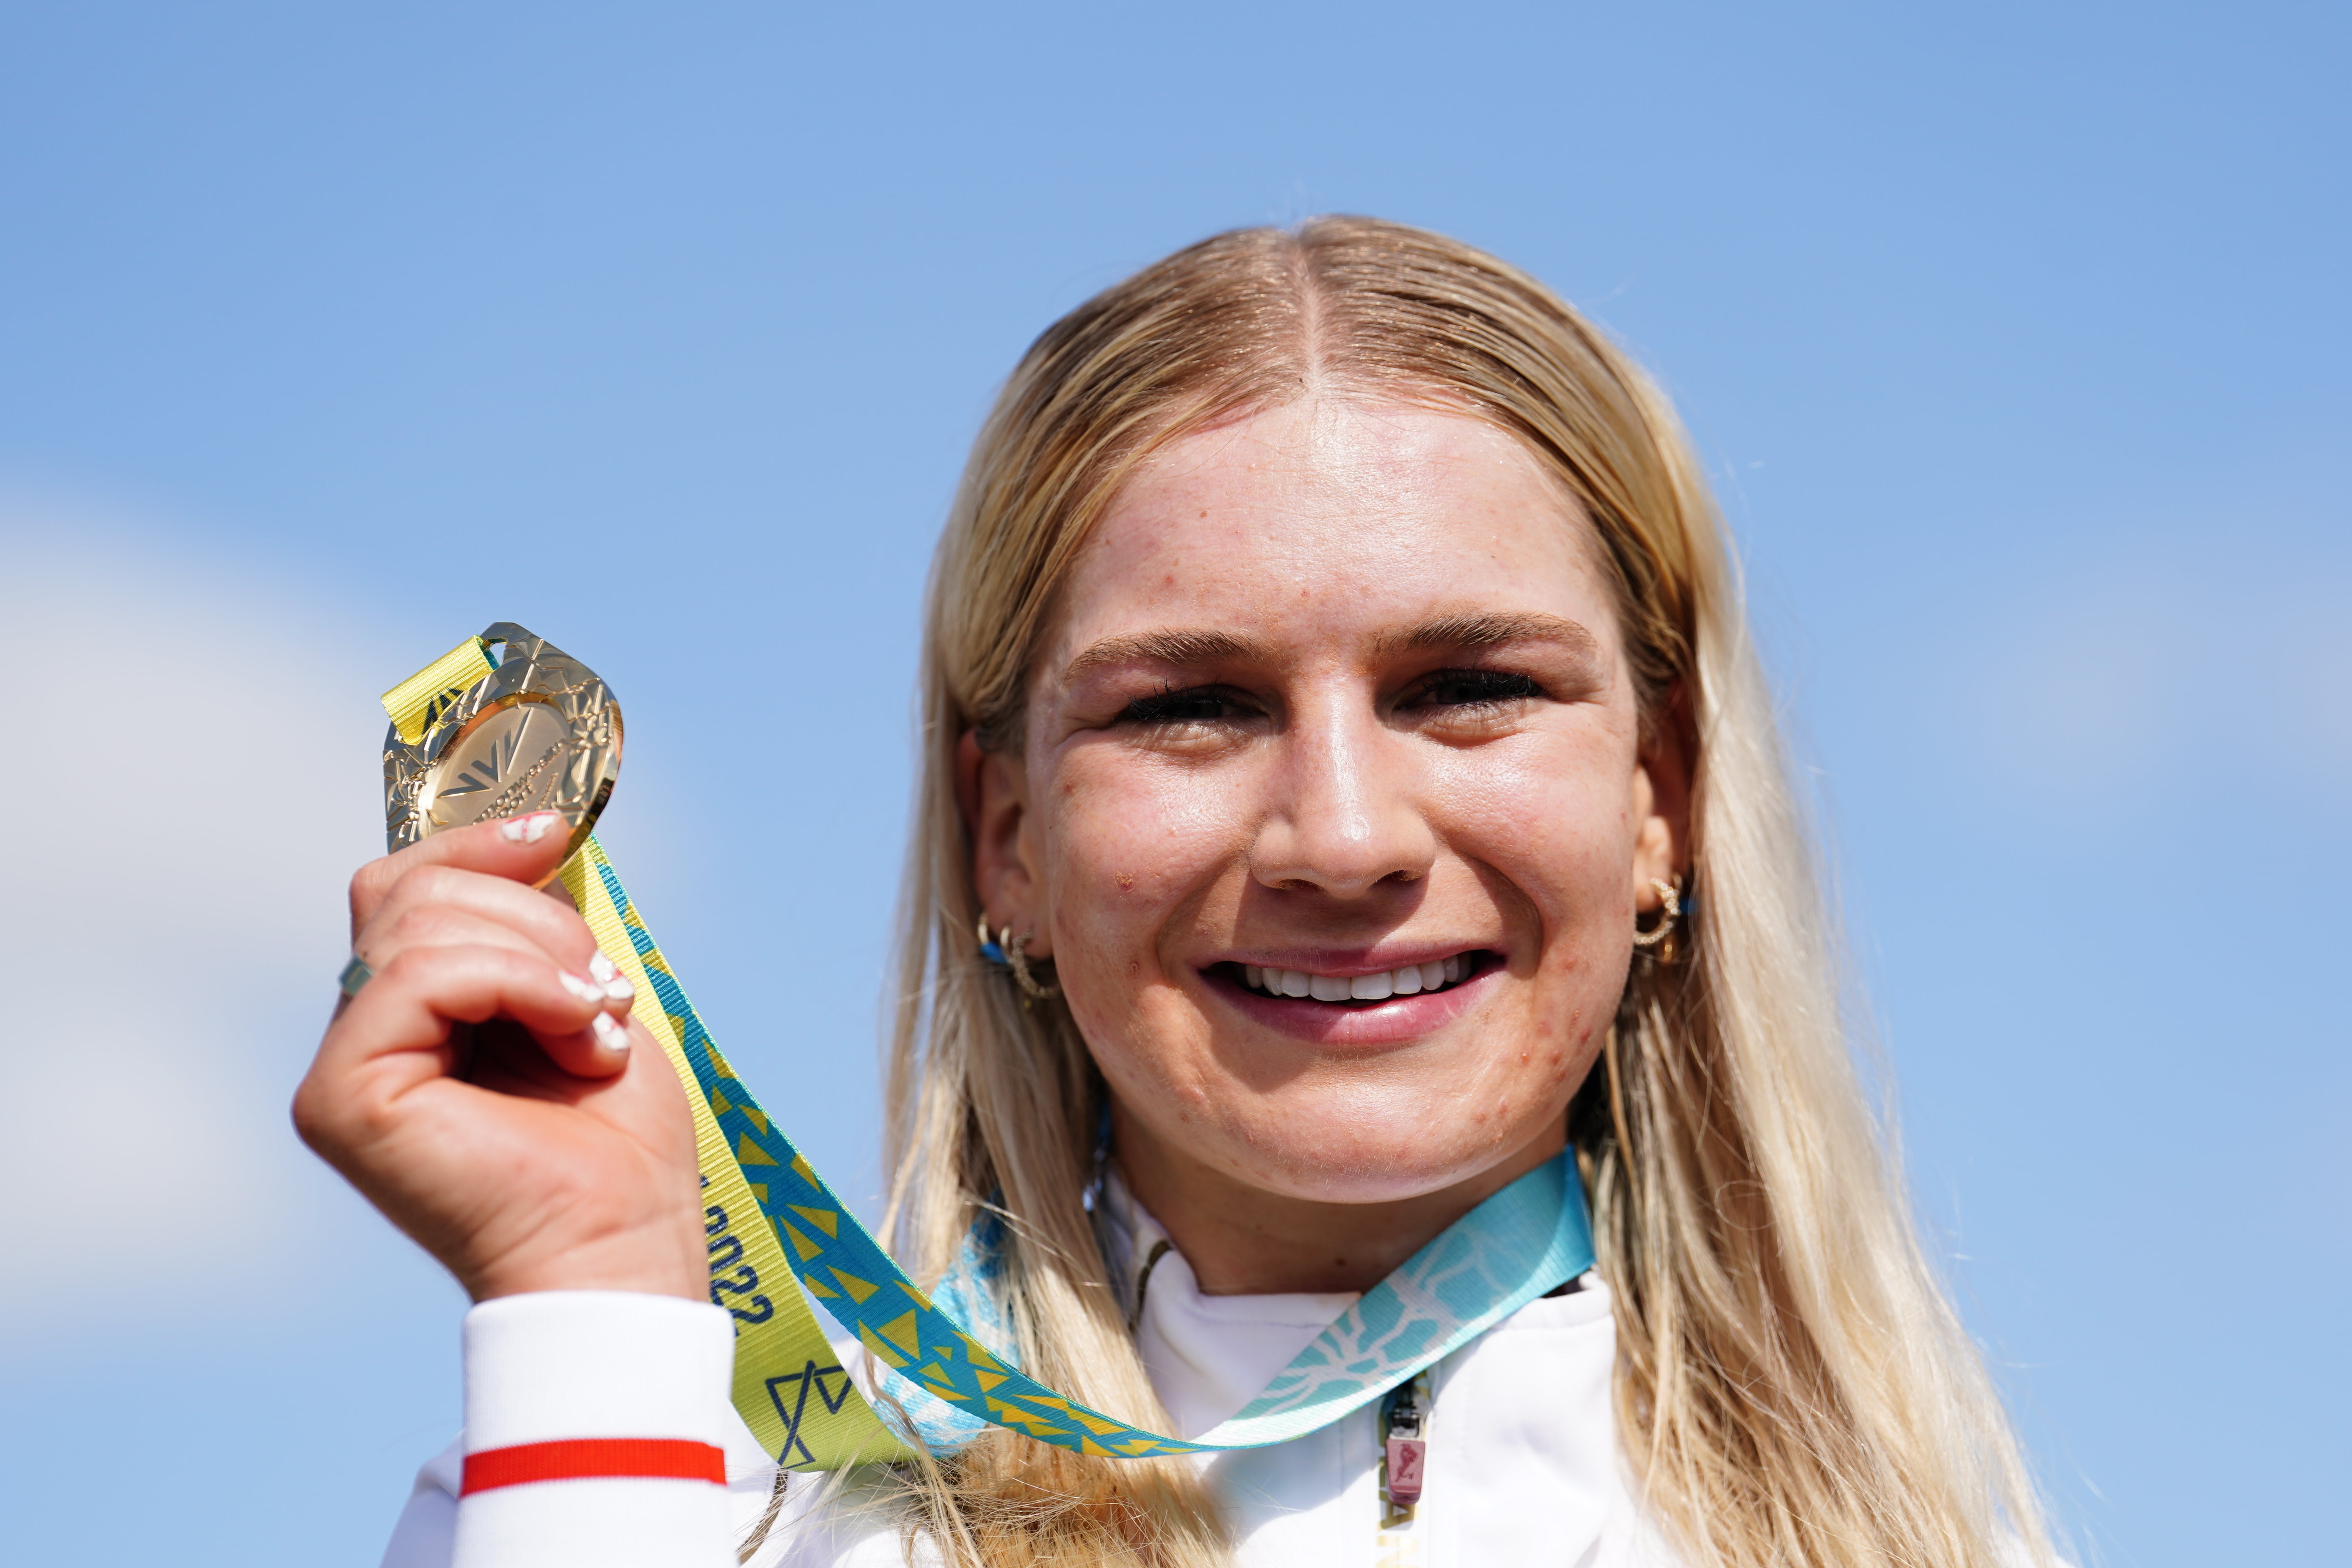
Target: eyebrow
column 1465, row 630
column 1173, row 647
column 1488, row 628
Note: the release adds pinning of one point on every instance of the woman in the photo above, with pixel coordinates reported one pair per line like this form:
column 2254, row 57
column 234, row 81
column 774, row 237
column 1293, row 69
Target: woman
column 1335, row 683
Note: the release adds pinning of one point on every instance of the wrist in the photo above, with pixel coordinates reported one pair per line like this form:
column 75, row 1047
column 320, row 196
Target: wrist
column 500, row 1287
column 640, row 1267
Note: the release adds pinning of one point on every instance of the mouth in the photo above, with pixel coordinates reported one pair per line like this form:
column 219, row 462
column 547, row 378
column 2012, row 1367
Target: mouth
column 1357, row 991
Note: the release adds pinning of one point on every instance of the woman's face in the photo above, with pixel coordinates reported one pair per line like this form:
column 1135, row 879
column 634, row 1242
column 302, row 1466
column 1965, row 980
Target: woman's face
column 1336, row 704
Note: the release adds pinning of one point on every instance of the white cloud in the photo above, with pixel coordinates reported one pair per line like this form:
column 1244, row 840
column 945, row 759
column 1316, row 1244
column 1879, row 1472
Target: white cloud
column 189, row 777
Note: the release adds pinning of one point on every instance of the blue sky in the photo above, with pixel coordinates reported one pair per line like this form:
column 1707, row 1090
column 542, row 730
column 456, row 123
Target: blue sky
column 2014, row 335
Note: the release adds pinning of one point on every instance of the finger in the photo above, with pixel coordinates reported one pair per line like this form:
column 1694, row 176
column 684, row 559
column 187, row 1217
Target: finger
column 439, row 906
column 524, row 850
column 445, row 925
column 396, row 1033
column 398, row 927
column 550, row 927
column 620, row 995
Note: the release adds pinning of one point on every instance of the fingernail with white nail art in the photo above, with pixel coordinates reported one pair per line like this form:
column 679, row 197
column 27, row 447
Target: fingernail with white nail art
column 611, row 1034
column 620, row 990
column 528, row 829
column 603, row 969
column 582, row 986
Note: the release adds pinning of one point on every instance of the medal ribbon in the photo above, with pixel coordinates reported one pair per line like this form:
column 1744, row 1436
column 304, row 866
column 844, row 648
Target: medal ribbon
column 792, row 1390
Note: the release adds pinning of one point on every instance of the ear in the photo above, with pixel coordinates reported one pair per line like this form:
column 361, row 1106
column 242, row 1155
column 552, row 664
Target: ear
column 1661, row 798
column 993, row 791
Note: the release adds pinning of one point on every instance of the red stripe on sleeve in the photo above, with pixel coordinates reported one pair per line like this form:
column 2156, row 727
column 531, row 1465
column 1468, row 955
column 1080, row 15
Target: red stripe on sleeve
column 663, row 1458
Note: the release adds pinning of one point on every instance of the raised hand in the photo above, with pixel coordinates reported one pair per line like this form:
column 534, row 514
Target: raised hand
column 486, row 1090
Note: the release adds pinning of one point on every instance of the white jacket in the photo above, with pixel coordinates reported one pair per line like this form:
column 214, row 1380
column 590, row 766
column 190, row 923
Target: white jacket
column 1522, row 1462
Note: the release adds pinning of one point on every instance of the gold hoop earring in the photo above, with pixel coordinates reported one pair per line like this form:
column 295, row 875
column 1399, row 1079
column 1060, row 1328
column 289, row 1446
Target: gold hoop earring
column 1670, row 914
column 1017, row 956
column 1013, row 956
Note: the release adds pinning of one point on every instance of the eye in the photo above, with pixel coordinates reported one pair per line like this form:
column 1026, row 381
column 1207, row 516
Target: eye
column 1187, row 705
column 1471, row 688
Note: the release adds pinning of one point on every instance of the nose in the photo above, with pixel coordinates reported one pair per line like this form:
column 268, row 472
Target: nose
column 1342, row 817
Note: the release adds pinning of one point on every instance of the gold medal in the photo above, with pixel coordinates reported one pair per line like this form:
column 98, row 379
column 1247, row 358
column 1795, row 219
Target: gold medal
column 538, row 732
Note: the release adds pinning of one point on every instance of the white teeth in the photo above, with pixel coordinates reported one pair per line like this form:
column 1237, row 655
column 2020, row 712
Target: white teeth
column 1409, row 981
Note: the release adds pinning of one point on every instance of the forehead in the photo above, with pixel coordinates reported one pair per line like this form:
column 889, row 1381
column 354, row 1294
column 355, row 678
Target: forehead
column 1331, row 518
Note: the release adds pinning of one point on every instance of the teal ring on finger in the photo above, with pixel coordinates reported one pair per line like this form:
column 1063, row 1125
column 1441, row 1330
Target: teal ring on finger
column 355, row 974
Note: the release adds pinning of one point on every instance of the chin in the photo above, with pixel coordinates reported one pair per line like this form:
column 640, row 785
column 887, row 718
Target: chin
column 1386, row 1166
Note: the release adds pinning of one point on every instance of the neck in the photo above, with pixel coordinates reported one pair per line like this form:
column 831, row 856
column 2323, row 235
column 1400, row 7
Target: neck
column 1245, row 1240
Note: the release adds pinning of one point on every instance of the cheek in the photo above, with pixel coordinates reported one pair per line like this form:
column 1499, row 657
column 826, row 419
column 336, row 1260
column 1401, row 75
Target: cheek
column 1127, row 848
column 1130, row 852
column 1554, row 824
column 1556, row 847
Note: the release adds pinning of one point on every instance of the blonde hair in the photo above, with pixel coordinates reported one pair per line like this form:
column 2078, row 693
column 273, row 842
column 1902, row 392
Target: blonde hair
column 1792, row 1385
